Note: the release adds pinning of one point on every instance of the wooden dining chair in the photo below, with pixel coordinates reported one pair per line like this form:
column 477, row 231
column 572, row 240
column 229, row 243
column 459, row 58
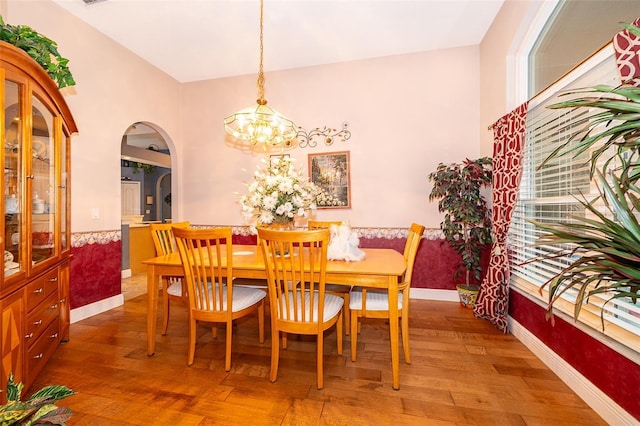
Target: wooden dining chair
column 173, row 288
column 337, row 289
column 373, row 303
column 212, row 296
column 296, row 262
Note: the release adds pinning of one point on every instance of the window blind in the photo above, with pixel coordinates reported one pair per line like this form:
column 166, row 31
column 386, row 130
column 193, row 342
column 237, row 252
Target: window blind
column 549, row 193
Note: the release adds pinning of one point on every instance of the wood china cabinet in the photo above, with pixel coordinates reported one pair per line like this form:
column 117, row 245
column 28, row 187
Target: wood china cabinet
column 35, row 130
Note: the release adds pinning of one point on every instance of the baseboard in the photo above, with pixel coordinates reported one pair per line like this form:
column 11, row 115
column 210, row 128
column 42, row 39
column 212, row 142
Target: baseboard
column 608, row 409
column 435, row 294
column 125, row 273
column 86, row 311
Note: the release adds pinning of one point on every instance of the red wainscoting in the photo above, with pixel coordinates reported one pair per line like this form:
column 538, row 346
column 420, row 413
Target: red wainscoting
column 95, row 272
column 435, row 262
column 615, row 375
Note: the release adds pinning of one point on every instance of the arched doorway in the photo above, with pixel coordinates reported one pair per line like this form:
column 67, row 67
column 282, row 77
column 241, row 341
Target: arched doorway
column 145, row 175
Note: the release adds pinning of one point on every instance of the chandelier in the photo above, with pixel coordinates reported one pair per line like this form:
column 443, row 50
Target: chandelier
column 260, row 124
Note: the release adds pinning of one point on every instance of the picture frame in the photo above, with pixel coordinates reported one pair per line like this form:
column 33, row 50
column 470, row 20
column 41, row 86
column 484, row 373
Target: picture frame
column 331, row 172
column 149, row 200
column 272, row 157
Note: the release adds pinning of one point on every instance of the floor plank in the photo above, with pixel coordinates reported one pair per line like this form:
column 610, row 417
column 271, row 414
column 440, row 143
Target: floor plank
column 464, row 372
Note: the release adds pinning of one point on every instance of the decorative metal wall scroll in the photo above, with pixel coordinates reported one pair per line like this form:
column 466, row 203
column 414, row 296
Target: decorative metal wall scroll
column 327, row 135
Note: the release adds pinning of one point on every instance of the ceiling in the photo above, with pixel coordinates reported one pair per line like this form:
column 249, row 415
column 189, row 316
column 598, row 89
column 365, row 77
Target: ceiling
column 195, row 40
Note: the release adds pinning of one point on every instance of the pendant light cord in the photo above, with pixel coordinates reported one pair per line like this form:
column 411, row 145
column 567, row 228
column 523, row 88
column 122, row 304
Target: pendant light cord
column 261, row 100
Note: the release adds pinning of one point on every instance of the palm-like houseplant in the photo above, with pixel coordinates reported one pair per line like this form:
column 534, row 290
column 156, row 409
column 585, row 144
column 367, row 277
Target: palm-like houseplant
column 467, row 220
column 604, row 245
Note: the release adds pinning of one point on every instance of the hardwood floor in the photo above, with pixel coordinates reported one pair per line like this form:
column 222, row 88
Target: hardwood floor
column 464, row 372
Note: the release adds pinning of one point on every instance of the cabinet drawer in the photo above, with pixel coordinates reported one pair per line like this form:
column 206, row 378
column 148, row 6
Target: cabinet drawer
column 41, row 350
column 41, row 288
column 41, row 317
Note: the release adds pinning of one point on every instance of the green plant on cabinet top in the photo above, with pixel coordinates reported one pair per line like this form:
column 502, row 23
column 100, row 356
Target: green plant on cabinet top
column 42, row 49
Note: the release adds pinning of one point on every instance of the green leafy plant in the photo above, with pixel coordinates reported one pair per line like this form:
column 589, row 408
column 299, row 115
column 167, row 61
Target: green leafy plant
column 42, row 49
column 467, row 221
column 38, row 409
column 604, row 244
column 146, row 168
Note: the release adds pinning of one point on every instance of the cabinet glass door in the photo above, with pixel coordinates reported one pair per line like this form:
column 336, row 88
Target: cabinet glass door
column 64, row 192
column 12, row 184
column 43, row 193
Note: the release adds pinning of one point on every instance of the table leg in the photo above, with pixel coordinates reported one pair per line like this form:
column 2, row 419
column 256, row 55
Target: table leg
column 152, row 308
column 393, row 330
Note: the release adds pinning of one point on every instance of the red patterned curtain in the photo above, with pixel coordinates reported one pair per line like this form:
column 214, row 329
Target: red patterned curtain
column 627, row 49
column 508, row 134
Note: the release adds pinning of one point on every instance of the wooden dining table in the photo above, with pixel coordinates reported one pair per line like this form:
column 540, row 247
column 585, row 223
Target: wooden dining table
column 379, row 269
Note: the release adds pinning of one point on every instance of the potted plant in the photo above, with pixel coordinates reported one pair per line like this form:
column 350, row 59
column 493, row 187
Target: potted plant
column 40, row 408
column 467, row 220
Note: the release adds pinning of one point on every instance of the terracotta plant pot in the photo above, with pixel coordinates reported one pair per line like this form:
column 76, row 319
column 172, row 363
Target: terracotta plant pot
column 468, row 294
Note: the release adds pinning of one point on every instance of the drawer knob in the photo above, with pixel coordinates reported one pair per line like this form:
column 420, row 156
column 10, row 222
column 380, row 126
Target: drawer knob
column 54, row 336
column 54, row 306
column 53, row 280
column 38, row 291
column 63, row 300
column 40, row 355
column 39, row 322
column 28, row 336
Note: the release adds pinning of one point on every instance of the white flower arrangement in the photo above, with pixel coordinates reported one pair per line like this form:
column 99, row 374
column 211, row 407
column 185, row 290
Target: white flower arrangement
column 278, row 193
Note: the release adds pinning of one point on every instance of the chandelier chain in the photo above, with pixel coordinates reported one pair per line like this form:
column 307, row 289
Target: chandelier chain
column 261, row 100
column 260, row 124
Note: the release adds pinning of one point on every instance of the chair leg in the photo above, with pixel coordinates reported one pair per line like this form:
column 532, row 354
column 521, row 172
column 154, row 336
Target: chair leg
column 347, row 314
column 354, row 334
column 275, row 354
column 228, row 337
column 284, row 340
column 319, row 359
column 165, row 305
column 339, row 332
column 405, row 338
column 261, row 321
column 192, row 341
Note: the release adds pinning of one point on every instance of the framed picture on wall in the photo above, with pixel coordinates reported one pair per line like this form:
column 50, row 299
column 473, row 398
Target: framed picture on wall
column 330, row 172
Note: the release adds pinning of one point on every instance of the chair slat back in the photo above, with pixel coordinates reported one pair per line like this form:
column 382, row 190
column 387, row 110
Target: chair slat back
column 295, row 263
column 207, row 268
column 411, row 249
column 162, row 236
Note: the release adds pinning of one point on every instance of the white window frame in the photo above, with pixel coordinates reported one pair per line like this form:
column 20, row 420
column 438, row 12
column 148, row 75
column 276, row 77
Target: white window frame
column 618, row 337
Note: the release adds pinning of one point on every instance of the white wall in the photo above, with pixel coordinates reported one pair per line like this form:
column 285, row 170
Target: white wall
column 114, row 88
column 406, row 113
column 501, row 71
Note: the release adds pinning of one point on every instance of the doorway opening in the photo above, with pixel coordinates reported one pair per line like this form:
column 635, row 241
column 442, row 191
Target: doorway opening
column 146, row 159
